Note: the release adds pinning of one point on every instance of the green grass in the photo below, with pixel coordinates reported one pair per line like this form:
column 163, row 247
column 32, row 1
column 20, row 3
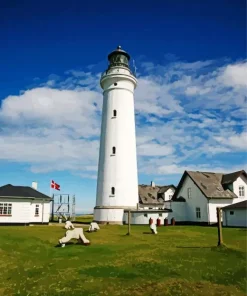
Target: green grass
column 180, row 260
column 84, row 218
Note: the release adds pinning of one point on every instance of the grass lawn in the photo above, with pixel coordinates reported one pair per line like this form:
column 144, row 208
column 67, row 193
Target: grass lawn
column 84, row 218
column 180, row 260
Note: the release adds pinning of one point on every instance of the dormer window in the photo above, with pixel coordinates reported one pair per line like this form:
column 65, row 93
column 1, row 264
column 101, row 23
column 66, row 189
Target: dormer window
column 241, row 191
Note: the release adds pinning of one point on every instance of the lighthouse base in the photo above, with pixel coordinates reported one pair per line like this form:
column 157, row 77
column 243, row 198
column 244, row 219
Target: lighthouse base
column 108, row 216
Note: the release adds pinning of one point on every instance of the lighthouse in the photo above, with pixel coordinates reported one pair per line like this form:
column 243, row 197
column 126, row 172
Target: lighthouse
column 117, row 183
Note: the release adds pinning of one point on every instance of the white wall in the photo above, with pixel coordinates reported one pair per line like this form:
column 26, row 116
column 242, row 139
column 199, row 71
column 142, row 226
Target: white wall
column 46, row 215
column 119, row 170
column 109, row 215
column 214, row 204
column 238, row 219
column 23, row 211
column 20, row 211
column 197, row 200
column 179, row 211
column 149, row 207
column 167, row 194
column 241, row 181
column 139, row 218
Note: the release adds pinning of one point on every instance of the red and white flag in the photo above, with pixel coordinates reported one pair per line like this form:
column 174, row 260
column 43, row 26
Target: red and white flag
column 55, row 185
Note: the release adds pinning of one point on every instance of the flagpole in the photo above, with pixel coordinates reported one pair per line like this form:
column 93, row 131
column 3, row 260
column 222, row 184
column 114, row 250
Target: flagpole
column 50, row 188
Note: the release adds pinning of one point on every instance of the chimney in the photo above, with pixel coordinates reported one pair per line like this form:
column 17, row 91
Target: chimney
column 152, row 184
column 35, row 185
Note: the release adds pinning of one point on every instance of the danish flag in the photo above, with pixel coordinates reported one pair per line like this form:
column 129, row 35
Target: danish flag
column 55, row 185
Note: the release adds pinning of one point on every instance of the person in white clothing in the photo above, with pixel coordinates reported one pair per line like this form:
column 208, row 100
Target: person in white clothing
column 76, row 233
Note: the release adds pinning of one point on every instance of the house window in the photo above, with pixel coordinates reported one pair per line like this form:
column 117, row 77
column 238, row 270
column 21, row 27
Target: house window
column 145, row 215
column 189, row 192
column 113, row 150
column 113, row 190
column 170, row 197
column 198, row 213
column 5, row 209
column 37, row 210
column 160, row 215
column 231, row 212
column 241, row 191
column 114, row 113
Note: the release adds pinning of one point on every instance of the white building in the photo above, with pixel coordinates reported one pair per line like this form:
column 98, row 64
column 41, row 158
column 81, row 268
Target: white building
column 141, row 216
column 117, row 184
column 22, row 205
column 235, row 215
column 153, row 196
column 200, row 193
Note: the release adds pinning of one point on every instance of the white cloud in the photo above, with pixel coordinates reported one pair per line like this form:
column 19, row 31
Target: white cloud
column 235, row 75
column 153, row 149
column 185, row 114
column 236, row 141
column 195, row 90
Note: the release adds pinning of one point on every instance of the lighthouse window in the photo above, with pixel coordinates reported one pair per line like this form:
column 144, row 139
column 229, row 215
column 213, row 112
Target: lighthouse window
column 114, row 113
column 113, row 190
column 113, row 150
column 115, row 83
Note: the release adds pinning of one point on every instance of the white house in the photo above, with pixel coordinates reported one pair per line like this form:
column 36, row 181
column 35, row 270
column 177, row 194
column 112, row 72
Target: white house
column 200, row 193
column 153, row 196
column 151, row 204
column 22, row 205
column 235, row 215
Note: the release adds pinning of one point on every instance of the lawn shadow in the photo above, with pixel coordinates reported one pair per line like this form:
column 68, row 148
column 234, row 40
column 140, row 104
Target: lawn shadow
column 147, row 232
column 183, row 247
column 69, row 244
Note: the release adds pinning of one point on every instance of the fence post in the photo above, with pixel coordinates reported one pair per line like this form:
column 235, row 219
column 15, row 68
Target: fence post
column 219, row 224
column 128, row 223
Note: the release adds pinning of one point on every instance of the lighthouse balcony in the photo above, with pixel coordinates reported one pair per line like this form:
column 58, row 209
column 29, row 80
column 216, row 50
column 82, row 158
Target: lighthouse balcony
column 118, row 70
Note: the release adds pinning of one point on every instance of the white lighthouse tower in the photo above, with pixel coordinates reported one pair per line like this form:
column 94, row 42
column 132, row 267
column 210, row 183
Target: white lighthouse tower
column 117, row 185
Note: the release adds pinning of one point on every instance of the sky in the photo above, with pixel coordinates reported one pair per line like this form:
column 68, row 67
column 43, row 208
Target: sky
column 190, row 102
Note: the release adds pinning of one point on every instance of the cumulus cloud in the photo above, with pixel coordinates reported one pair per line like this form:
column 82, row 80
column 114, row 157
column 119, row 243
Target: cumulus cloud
column 186, row 115
column 235, row 75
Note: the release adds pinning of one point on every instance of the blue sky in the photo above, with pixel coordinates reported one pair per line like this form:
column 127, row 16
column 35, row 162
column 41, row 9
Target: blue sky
column 190, row 101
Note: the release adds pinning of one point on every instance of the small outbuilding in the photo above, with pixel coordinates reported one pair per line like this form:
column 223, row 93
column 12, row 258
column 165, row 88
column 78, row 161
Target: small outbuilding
column 23, row 205
column 235, row 215
column 141, row 217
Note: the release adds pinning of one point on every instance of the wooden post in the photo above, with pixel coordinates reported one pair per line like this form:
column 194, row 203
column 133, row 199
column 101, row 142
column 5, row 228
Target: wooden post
column 52, row 210
column 220, row 238
column 128, row 223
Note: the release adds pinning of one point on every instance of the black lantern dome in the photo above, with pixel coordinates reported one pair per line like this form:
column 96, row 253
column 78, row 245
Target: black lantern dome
column 118, row 58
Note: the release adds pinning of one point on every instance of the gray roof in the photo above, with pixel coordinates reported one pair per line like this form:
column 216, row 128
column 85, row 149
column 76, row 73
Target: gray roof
column 149, row 194
column 21, row 191
column 210, row 184
column 230, row 178
column 165, row 188
column 237, row 205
